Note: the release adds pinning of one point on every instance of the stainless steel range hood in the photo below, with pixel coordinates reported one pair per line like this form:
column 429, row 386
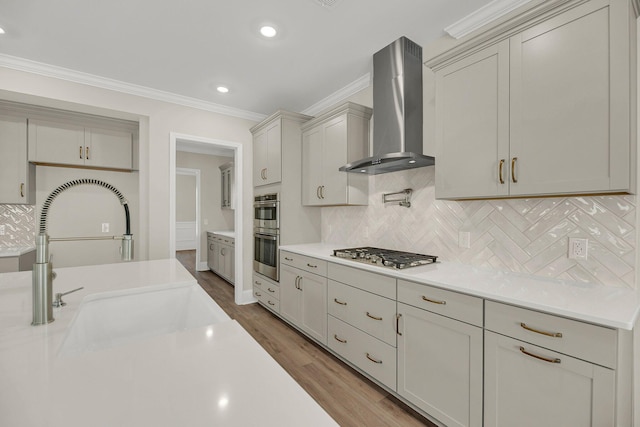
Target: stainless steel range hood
column 397, row 111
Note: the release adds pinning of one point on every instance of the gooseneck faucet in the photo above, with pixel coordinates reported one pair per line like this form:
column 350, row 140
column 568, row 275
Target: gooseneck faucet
column 43, row 275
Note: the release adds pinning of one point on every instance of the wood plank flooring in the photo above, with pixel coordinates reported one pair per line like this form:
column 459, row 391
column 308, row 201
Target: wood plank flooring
column 347, row 396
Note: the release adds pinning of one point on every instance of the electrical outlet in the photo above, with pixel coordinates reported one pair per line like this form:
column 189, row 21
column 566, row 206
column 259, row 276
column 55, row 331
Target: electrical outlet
column 105, row 227
column 2, row 230
column 464, row 239
column 578, row 248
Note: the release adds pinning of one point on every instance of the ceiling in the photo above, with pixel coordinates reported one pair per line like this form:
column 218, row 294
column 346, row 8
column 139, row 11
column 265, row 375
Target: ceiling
column 190, row 47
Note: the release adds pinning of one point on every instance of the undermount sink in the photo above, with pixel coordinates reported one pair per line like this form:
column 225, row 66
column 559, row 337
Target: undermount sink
column 111, row 319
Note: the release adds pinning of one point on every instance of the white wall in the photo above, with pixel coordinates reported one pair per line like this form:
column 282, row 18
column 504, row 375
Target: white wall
column 157, row 119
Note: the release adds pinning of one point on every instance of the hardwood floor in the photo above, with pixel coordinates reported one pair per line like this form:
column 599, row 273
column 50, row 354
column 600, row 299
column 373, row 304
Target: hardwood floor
column 347, row 396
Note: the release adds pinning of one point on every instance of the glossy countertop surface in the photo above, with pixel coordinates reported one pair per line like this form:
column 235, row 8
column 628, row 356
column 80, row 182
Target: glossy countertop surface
column 211, row 375
column 615, row 307
column 15, row 251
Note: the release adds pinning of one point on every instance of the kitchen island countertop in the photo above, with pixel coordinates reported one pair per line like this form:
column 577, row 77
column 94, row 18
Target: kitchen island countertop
column 614, row 307
column 211, row 375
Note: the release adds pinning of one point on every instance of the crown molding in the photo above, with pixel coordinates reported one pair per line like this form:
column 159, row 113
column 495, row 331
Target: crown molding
column 482, row 16
column 67, row 74
column 339, row 95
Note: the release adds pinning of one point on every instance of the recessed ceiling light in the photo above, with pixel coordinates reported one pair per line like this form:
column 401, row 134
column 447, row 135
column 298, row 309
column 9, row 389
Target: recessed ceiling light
column 268, row 31
column 1, row 30
column 222, row 89
column 412, row 162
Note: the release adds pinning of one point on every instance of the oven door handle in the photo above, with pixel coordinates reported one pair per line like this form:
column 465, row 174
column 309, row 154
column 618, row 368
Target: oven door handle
column 266, row 236
column 265, row 204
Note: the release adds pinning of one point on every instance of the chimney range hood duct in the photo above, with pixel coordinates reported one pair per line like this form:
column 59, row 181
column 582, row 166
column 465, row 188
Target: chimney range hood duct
column 397, row 111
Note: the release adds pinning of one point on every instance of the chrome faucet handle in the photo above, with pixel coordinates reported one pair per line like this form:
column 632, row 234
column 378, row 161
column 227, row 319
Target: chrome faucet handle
column 58, row 302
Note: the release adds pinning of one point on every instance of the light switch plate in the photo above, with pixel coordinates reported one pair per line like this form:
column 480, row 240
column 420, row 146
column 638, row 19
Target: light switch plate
column 105, row 227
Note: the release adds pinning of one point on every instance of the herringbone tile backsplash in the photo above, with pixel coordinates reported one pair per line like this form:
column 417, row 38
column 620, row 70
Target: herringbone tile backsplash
column 520, row 235
column 19, row 225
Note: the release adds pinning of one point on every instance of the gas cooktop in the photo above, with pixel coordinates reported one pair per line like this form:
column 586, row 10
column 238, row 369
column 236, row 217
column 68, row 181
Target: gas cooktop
column 385, row 257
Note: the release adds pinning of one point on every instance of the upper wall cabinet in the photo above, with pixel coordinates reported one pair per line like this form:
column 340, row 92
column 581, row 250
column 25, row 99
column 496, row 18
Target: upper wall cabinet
column 228, row 189
column 62, row 143
column 542, row 105
column 328, row 142
column 17, row 175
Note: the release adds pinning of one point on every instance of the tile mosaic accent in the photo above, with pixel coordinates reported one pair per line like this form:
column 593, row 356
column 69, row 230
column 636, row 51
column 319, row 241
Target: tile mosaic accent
column 19, row 223
column 520, row 235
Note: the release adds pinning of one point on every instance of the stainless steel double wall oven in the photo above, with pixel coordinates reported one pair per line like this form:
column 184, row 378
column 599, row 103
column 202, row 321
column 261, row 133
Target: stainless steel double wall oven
column 266, row 235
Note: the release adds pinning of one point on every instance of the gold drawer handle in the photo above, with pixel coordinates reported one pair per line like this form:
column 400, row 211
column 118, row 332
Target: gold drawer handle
column 338, row 339
column 22, row 189
column 500, row 171
column 288, row 259
column 257, row 283
column 312, row 266
column 81, row 151
column 373, row 317
column 258, row 294
column 270, row 290
column 546, row 359
column 86, row 152
column 513, row 169
column 433, row 301
column 373, row 360
column 339, row 302
column 270, row 303
column 549, row 334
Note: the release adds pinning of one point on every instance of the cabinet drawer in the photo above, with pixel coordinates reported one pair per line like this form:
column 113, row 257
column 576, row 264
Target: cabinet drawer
column 260, row 282
column 370, row 313
column 312, row 265
column 268, row 301
column 364, row 351
column 365, row 280
column 593, row 343
column 441, row 301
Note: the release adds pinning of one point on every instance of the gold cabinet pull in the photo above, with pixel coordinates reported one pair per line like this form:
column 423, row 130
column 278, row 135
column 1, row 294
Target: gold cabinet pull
column 500, row 171
column 398, row 316
column 546, row 359
column 373, row 360
column 299, row 283
column 373, row 317
column 86, row 153
column 339, row 302
column 81, row 151
column 270, row 290
column 258, row 294
column 433, row 301
column 513, row 169
column 335, row 337
column 312, row 266
column 270, row 303
column 257, row 283
column 318, row 192
column 537, row 331
column 322, row 191
column 288, row 259
column 22, row 189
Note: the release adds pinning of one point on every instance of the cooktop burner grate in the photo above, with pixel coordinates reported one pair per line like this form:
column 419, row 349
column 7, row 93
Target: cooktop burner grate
column 385, row 257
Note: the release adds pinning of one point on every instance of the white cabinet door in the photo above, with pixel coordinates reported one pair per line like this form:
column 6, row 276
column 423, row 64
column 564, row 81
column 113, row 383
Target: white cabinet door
column 259, row 158
column 290, row 295
column 334, row 155
column 314, row 306
column 56, row 143
column 529, row 386
column 312, row 166
column 564, row 120
column 440, row 366
column 267, row 155
column 472, row 125
column 16, row 174
column 108, row 148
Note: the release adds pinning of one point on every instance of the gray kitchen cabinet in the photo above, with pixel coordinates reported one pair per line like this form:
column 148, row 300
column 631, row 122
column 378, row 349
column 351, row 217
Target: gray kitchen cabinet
column 542, row 369
column 221, row 256
column 227, row 186
column 547, row 110
column 70, row 144
column 440, row 356
column 17, row 175
column 267, row 292
column 328, row 142
column 280, row 129
column 303, row 301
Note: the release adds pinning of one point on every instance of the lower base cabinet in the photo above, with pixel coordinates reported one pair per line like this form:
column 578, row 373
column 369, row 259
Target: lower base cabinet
column 303, row 301
column 440, row 366
column 530, row 386
column 267, row 292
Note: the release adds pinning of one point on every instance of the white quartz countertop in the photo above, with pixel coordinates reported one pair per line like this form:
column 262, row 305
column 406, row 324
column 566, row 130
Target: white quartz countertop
column 603, row 305
column 227, row 233
column 16, row 251
column 211, row 375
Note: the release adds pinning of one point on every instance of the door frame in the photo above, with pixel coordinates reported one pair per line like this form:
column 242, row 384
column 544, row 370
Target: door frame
column 196, row 173
column 240, row 296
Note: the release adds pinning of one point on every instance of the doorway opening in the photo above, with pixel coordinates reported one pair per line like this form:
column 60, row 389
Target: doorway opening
column 195, row 155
